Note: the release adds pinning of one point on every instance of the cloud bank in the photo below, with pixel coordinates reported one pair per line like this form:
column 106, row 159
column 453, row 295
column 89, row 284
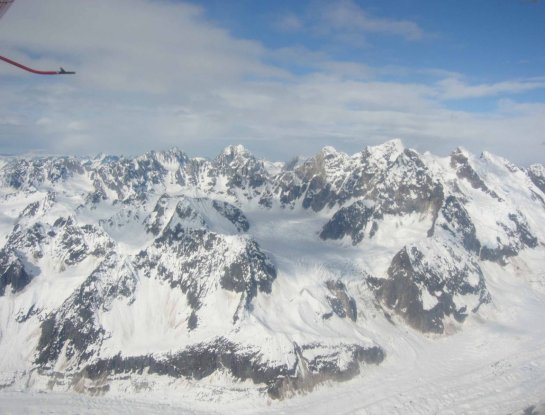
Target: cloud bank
column 157, row 74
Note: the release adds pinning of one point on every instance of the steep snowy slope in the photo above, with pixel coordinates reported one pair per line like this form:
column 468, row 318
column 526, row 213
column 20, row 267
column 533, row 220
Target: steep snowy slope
column 123, row 274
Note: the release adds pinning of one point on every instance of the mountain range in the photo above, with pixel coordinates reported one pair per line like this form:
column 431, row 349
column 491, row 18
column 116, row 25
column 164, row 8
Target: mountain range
column 132, row 273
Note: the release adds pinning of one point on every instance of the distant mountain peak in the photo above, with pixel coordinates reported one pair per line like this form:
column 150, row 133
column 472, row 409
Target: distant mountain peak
column 236, row 150
column 126, row 270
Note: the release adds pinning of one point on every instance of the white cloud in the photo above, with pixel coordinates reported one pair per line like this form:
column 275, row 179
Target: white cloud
column 345, row 22
column 162, row 75
column 132, row 45
column 320, row 62
column 454, row 88
column 346, row 16
column 512, row 107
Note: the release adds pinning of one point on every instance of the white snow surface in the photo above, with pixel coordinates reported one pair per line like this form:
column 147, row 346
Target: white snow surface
column 493, row 363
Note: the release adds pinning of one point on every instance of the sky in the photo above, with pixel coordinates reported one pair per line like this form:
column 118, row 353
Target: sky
column 281, row 77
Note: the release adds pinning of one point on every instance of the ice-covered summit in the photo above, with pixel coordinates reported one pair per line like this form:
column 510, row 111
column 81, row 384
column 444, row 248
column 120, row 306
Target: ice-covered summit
column 119, row 272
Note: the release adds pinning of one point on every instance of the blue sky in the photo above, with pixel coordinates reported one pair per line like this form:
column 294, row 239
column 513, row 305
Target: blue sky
column 280, row 77
column 489, row 40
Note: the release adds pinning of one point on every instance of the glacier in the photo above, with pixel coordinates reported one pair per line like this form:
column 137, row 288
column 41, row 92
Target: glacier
column 387, row 280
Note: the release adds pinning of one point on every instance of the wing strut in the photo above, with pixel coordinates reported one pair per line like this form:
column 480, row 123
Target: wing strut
column 4, row 6
column 61, row 71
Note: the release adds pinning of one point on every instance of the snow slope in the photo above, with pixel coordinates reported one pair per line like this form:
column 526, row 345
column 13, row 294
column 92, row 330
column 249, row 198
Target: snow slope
column 385, row 281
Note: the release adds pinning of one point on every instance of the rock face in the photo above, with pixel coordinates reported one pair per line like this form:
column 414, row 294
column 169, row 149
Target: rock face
column 73, row 331
column 199, row 262
column 341, row 303
column 455, row 220
column 536, row 172
column 116, row 268
column 430, row 281
column 12, row 273
column 354, row 221
column 312, row 364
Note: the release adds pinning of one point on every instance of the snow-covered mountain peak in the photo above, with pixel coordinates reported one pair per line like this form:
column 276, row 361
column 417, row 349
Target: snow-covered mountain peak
column 236, row 150
column 388, row 149
column 235, row 157
column 105, row 158
column 463, row 151
column 117, row 270
column 537, row 169
column 326, row 162
column 328, row 151
column 383, row 155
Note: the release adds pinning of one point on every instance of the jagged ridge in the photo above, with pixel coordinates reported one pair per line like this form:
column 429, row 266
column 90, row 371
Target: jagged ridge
column 211, row 256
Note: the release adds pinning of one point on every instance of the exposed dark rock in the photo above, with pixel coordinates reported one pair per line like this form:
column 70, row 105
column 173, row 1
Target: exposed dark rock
column 99, row 194
column 281, row 380
column 74, row 329
column 29, row 174
column 30, row 210
column 522, row 230
column 16, row 268
column 251, row 271
column 318, row 194
column 320, row 179
column 128, row 177
column 233, row 214
column 516, row 240
column 341, row 303
column 32, row 311
column 352, row 221
column 12, row 273
column 536, row 173
column 40, row 206
column 407, row 187
column 288, row 188
column 435, row 272
column 193, row 321
column 154, row 222
column 241, row 169
column 460, row 162
column 191, row 213
column 457, row 222
column 198, row 255
column 197, row 362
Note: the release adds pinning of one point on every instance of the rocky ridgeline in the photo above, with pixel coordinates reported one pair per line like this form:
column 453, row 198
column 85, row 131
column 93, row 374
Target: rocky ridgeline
column 119, row 224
